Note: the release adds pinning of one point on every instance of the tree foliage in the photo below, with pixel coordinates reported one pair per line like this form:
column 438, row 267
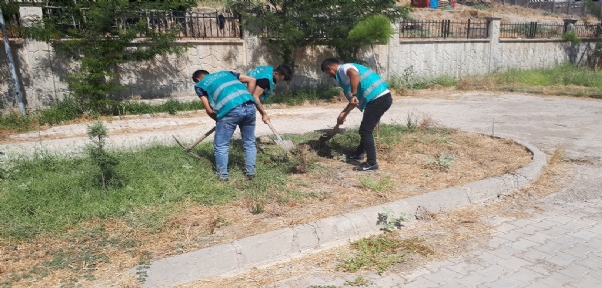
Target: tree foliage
column 100, row 34
column 290, row 24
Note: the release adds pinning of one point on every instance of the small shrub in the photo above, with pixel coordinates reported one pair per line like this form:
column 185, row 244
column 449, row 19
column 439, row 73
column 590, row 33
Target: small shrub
column 105, row 161
column 571, row 37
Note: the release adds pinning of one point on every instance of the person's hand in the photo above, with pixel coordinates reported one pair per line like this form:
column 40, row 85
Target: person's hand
column 265, row 118
column 341, row 118
column 354, row 102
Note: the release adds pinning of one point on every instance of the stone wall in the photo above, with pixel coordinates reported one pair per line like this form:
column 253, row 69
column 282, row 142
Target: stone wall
column 43, row 73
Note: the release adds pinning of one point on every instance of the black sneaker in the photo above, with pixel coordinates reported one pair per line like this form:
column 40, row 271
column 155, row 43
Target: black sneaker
column 353, row 156
column 250, row 177
column 223, row 179
column 366, row 167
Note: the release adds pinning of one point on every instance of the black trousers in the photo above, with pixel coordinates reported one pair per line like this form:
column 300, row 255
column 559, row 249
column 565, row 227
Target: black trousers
column 372, row 114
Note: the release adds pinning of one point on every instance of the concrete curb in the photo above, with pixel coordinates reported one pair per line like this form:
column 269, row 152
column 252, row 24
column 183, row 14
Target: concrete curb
column 284, row 244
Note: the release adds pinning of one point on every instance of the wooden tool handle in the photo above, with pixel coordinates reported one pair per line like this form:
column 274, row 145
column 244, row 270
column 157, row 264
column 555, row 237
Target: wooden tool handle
column 274, row 131
column 200, row 139
column 335, row 129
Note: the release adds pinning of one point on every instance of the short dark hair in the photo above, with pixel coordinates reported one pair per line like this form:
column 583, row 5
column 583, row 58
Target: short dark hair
column 198, row 74
column 328, row 62
column 285, row 71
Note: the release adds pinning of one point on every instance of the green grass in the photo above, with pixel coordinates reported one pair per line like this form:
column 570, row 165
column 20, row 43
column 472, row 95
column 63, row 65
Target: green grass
column 49, row 193
column 300, row 96
column 412, row 82
column 565, row 79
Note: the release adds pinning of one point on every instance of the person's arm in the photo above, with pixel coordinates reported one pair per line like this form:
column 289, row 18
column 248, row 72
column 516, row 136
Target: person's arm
column 264, row 115
column 250, row 81
column 210, row 112
column 204, row 98
column 354, row 80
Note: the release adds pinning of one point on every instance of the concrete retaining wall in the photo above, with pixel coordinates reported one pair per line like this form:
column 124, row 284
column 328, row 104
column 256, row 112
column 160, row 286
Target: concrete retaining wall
column 43, row 73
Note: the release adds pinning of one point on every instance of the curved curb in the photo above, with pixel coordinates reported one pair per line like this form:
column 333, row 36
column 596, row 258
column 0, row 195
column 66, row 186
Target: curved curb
column 285, row 244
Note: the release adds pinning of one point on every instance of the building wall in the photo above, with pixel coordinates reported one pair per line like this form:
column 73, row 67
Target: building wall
column 43, row 73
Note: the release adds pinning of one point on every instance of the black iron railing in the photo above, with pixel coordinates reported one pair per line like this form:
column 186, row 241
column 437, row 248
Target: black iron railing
column 471, row 29
column 531, row 30
column 189, row 24
column 588, row 30
column 194, row 25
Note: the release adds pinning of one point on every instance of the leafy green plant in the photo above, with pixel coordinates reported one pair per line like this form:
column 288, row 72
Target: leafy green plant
column 571, row 37
column 378, row 252
column 443, row 161
column 389, row 221
column 97, row 151
column 294, row 24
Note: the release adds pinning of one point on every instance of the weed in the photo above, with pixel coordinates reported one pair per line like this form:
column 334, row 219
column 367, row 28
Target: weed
column 143, row 266
column 378, row 252
column 412, row 121
column 389, row 221
column 359, row 281
column 442, row 162
column 381, row 184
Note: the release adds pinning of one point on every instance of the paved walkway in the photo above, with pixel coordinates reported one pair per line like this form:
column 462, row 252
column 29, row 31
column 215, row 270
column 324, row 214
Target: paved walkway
column 561, row 247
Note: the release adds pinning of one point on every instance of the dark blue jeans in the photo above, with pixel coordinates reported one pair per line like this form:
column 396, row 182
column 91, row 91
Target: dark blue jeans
column 372, row 114
column 244, row 117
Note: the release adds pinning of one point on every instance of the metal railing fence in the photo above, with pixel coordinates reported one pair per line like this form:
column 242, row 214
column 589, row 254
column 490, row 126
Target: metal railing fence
column 471, row 29
column 187, row 24
column 531, row 30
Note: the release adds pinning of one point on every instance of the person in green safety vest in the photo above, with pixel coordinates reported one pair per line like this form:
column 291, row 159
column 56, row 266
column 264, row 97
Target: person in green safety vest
column 267, row 77
column 368, row 92
column 229, row 102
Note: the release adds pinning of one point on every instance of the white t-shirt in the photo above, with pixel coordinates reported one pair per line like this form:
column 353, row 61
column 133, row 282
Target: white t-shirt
column 342, row 71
